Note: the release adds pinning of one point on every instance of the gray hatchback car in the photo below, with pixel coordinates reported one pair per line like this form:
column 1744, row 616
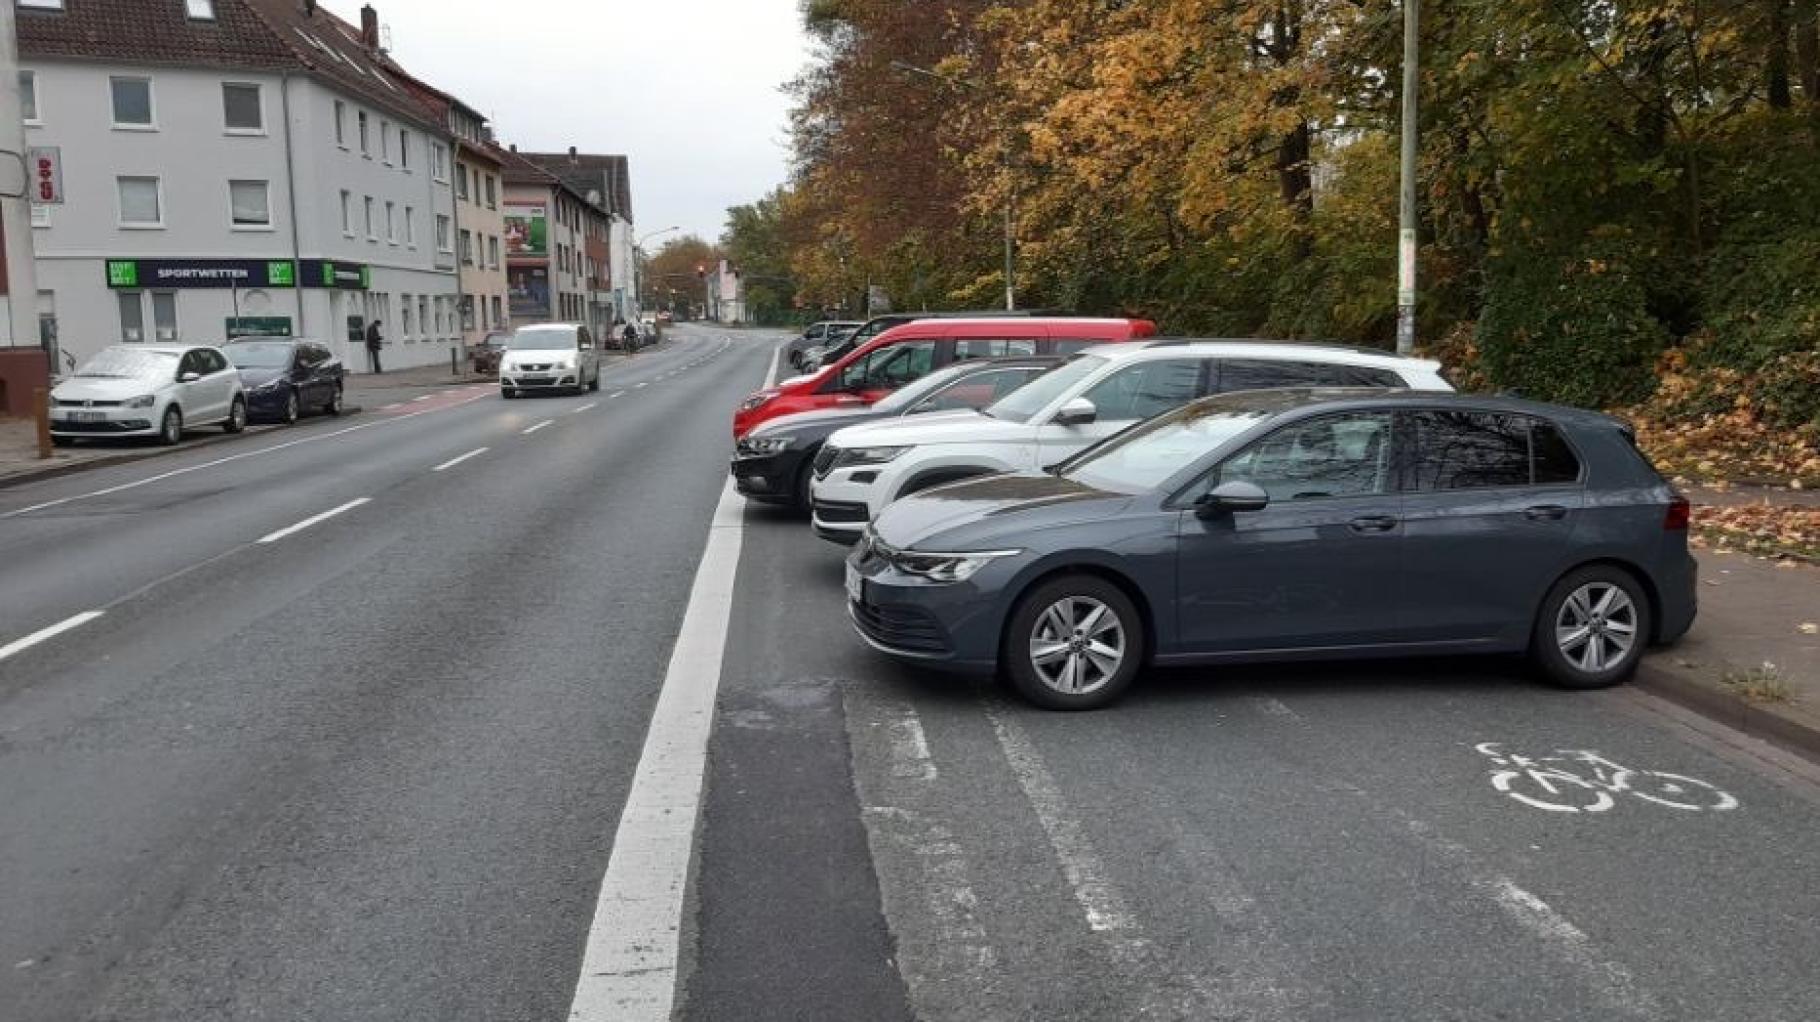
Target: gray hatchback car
column 1291, row 524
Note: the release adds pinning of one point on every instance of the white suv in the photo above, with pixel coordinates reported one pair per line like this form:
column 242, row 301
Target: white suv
column 1099, row 392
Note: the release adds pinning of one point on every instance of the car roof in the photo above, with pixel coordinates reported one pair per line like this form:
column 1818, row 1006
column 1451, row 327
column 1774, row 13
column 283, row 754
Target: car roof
column 163, row 349
column 258, row 339
column 1342, row 354
column 1287, row 399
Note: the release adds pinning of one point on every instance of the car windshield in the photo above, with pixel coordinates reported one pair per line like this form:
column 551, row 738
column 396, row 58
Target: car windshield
column 542, row 338
column 129, row 364
column 259, row 354
column 910, row 393
column 1033, row 397
column 1142, row 458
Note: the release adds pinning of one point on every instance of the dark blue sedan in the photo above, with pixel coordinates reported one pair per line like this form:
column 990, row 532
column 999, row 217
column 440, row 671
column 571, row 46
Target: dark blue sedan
column 286, row 377
column 1291, row 524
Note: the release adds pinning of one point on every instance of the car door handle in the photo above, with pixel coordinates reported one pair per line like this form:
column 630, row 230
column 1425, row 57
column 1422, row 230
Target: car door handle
column 1373, row 523
column 1545, row 513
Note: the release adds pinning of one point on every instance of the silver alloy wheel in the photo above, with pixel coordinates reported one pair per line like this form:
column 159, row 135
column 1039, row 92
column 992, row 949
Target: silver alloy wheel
column 236, row 417
column 1077, row 645
column 290, row 407
column 172, row 428
column 1596, row 626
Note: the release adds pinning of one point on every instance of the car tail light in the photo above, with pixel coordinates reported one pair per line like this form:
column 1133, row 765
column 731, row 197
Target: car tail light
column 1679, row 512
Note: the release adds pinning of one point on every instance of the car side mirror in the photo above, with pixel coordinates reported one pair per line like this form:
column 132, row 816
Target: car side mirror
column 586, row 346
column 1227, row 498
column 188, row 377
column 1077, row 412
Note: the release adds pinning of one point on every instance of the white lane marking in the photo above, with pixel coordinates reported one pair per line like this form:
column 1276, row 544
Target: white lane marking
column 628, row 970
column 73, row 621
column 1278, row 708
column 615, row 394
column 586, row 407
column 312, row 520
column 160, row 477
column 647, row 383
column 528, row 430
column 909, row 746
column 1102, row 903
column 387, row 408
column 452, row 462
column 771, row 374
column 423, row 397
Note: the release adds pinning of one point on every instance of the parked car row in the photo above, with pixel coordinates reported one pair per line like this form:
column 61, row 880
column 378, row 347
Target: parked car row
column 161, row 390
column 1065, row 520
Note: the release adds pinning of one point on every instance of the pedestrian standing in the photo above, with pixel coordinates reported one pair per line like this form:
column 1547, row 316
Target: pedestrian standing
column 374, row 343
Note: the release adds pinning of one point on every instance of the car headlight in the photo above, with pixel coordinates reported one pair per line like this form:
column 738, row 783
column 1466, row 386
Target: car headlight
column 947, row 567
column 759, row 399
column 764, row 447
column 268, row 386
column 868, row 455
column 142, row 401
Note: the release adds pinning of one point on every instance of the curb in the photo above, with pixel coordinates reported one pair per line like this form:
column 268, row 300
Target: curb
column 125, row 458
column 1734, row 712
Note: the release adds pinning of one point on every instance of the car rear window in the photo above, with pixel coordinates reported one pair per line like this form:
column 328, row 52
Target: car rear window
column 1264, row 374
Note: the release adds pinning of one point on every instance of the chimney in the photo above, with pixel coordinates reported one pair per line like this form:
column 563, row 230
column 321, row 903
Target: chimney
column 572, row 158
column 309, row 8
column 369, row 27
column 515, row 147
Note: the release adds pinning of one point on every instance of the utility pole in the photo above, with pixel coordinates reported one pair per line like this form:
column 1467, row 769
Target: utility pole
column 1406, row 234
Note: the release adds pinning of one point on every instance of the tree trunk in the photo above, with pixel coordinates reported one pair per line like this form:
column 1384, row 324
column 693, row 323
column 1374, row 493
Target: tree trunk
column 1295, row 181
column 1807, row 48
column 1777, row 66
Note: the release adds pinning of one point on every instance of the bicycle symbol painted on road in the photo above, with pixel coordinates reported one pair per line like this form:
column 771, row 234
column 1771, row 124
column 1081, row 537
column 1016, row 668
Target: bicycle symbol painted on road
column 1582, row 781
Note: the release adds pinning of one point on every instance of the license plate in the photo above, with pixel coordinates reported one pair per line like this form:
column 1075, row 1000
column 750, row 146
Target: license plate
column 88, row 416
column 856, row 586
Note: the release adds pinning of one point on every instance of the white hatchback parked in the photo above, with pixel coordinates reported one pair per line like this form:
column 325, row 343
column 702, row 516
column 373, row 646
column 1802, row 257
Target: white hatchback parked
column 156, row 390
column 1092, row 396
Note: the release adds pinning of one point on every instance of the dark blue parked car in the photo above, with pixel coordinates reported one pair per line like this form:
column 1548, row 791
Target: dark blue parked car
column 1291, row 524
column 286, row 377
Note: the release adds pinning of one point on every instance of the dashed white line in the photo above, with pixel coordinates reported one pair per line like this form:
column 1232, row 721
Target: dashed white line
column 423, row 397
column 635, row 386
column 628, row 969
column 528, row 430
column 74, row 621
column 452, row 462
column 395, row 404
column 290, row 530
column 615, row 394
column 583, row 408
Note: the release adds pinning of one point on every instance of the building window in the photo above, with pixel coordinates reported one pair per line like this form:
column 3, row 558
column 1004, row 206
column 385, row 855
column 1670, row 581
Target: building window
column 423, row 313
column 404, row 149
column 385, row 141
column 140, row 202
column 251, row 203
column 404, row 318
column 164, row 315
column 498, row 310
column 371, row 236
column 347, row 212
column 493, row 251
column 461, row 181
column 439, row 168
column 391, row 224
column 28, row 97
column 492, row 194
column 465, row 241
column 443, row 241
column 467, row 312
column 341, row 124
column 201, row 10
column 410, row 227
column 132, row 102
column 361, row 120
column 132, row 316
column 242, row 111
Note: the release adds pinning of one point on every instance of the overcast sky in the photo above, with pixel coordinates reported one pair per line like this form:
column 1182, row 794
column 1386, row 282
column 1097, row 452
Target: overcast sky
column 688, row 90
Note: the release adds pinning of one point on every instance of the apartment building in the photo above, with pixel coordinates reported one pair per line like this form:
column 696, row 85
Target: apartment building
column 606, row 181
column 234, row 167
column 555, row 238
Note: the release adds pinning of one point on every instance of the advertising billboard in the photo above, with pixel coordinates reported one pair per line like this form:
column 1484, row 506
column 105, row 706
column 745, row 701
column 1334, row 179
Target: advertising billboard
column 527, row 230
column 528, row 290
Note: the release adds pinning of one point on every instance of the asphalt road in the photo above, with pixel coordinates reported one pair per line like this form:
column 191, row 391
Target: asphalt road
column 373, row 770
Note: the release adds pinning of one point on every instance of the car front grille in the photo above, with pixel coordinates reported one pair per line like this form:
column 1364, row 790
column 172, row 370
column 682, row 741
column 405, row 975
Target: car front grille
column 61, row 403
column 539, row 368
column 118, row 426
column 824, row 460
column 911, row 629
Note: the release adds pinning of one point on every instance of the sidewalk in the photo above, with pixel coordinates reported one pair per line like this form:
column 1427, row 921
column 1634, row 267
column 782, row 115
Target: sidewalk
column 1752, row 660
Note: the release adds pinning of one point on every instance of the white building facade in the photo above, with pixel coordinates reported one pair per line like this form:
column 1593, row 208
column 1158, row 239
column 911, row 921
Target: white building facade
column 204, row 201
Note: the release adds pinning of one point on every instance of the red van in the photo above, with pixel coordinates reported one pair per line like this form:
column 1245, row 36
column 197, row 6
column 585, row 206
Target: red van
column 908, row 352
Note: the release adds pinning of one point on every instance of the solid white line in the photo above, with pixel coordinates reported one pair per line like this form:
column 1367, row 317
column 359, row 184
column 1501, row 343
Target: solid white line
column 452, row 462
column 628, row 970
column 771, row 375
column 583, row 408
column 312, row 520
column 21, row 645
column 528, row 430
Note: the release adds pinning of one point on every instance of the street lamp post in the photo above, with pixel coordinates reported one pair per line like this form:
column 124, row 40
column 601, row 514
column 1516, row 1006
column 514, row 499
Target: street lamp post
column 1406, row 233
column 1005, row 155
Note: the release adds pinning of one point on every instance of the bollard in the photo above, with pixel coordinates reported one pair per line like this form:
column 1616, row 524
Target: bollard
column 454, row 361
column 41, row 410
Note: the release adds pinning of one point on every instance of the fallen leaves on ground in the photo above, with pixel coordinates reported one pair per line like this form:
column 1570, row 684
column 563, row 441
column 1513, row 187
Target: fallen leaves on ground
column 1766, row 529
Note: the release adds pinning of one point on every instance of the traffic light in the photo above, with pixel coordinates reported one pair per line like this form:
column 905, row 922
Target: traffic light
column 701, row 271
